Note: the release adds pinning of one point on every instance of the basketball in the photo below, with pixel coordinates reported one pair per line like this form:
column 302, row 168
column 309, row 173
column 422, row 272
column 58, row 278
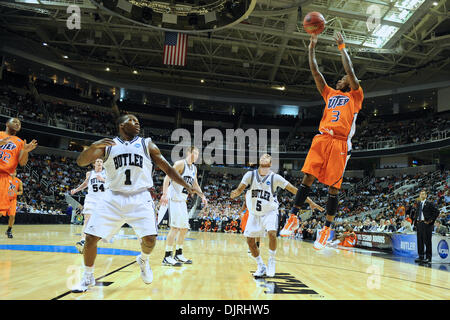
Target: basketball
column 314, row 23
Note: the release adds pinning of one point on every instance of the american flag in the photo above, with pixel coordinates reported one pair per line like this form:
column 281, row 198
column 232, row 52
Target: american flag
column 175, row 47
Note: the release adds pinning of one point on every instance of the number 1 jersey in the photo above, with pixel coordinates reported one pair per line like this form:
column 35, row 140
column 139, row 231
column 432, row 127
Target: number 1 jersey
column 128, row 166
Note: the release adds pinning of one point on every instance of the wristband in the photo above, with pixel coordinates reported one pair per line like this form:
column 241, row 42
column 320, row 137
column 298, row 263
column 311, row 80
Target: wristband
column 341, row 46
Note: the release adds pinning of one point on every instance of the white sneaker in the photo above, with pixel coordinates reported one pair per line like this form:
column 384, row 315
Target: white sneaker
column 169, row 261
column 182, row 259
column 271, row 267
column 87, row 281
column 261, row 271
column 146, row 271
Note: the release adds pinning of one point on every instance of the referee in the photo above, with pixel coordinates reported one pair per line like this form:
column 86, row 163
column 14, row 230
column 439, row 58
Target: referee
column 426, row 215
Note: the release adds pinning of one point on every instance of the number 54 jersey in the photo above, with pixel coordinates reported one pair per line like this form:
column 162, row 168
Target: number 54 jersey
column 128, row 166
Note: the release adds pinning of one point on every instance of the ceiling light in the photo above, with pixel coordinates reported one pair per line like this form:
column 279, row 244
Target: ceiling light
column 435, row 4
column 202, row 81
column 65, row 57
column 107, row 69
column 135, row 71
column 44, row 44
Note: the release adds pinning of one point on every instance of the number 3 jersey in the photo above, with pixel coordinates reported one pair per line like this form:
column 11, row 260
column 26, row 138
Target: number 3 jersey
column 96, row 187
column 176, row 191
column 261, row 197
column 128, row 166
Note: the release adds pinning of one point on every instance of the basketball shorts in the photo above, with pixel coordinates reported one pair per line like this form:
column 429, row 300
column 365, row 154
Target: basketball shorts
column 116, row 209
column 12, row 208
column 327, row 159
column 258, row 225
column 5, row 198
column 91, row 206
column 178, row 214
column 244, row 221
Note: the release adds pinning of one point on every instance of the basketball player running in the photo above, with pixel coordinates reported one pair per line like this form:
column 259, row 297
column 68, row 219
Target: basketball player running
column 16, row 189
column 128, row 162
column 13, row 151
column 330, row 150
column 262, row 203
column 95, row 182
column 175, row 197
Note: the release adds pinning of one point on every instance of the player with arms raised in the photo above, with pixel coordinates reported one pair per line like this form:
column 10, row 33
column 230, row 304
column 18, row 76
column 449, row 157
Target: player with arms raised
column 331, row 149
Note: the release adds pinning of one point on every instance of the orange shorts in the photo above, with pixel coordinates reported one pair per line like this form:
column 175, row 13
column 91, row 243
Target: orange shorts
column 327, row 159
column 5, row 199
column 12, row 208
column 244, row 221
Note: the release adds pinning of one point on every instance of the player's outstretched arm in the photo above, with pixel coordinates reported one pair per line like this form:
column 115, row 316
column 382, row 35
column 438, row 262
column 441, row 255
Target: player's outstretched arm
column 173, row 174
column 94, row 151
column 346, row 61
column 81, row 186
column 27, row 148
column 237, row 192
column 318, row 77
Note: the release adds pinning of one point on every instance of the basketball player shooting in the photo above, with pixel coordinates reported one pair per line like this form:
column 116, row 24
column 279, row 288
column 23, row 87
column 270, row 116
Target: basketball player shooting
column 262, row 203
column 330, row 150
column 128, row 162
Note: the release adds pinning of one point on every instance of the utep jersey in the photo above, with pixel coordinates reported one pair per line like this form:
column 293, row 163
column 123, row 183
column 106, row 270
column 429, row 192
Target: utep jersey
column 128, row 166
column 260, row 198
column 176, row 191
column 9, row 153
column 96, row 188
column 341, row 110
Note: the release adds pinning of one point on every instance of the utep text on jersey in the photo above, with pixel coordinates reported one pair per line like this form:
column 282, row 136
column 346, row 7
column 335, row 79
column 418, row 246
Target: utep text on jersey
column 128, row 159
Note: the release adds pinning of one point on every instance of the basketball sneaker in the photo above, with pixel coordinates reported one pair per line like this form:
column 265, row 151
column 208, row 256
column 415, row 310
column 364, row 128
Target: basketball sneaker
column 270, row 268
column 182, row 259
column 87, row 281
column 321, row 241
column 261, row 271
column 169, row 261
column 9, row 234
column 80, row 246
column 146, row 271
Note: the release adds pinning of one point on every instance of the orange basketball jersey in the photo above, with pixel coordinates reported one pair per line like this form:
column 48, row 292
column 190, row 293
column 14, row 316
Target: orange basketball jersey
column 9, row 153
column 339, row 115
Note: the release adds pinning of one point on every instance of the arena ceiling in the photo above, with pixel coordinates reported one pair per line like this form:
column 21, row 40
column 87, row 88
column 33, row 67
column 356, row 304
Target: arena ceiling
column 259, row 56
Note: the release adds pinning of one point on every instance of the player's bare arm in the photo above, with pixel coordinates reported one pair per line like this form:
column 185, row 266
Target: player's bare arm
column 20, row 192
column 348, row 66
column 318, row 77
column 311, row 203
column 173, row 174
column 81, row 186
column 27, row 148
column 237, row 192
column 94, row 152
column 204, row 200
column 178, row 165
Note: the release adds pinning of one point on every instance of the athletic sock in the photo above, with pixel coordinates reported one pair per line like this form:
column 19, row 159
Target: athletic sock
column 257, row 244
column 272, row 253
column 144, row 256
column 332, row 205
column 9, row 229
column 168, row 254
column 89, row 270
column 179, row 252
column 259, row 260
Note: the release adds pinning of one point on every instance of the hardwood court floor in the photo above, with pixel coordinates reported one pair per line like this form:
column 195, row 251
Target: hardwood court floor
column 41, row 263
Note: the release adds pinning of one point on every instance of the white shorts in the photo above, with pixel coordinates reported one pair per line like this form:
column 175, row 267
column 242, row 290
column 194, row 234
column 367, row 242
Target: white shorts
column 116, row 209
column 258, row 225
column 90, row 207
column 178, row 214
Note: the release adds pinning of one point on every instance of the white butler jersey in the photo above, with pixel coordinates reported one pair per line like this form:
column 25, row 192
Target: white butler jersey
column 96, row 187
column 176, row 191
column 128, row 166
column 261, row 196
